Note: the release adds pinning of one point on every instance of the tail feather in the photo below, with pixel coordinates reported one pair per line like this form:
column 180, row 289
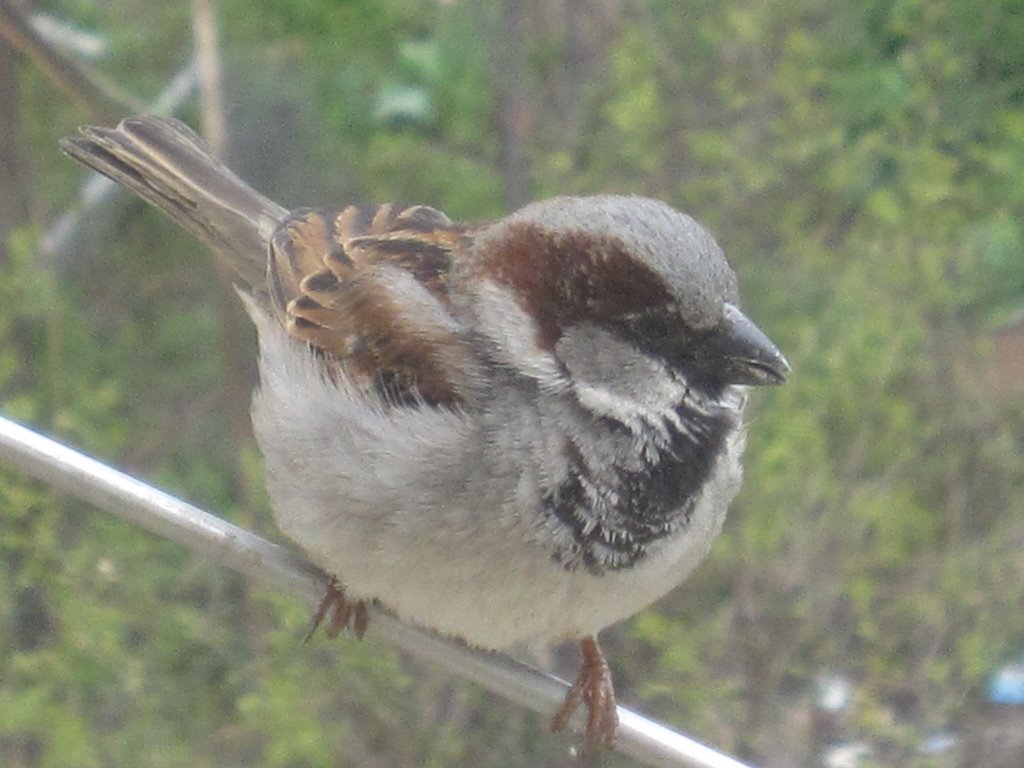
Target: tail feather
column 163, row 161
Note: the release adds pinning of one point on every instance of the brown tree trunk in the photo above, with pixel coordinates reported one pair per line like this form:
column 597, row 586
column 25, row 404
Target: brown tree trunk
column 514, row 113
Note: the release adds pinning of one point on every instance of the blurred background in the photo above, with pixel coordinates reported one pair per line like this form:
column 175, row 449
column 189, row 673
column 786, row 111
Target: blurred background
column 861, row 163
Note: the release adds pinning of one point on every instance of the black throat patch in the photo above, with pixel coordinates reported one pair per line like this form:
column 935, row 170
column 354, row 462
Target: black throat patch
column 610, row 524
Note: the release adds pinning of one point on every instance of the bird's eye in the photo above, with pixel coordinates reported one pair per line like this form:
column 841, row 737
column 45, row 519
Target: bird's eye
column 654, row 330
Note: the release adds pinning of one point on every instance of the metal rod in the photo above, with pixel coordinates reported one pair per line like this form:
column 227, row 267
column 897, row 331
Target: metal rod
column 270, row 564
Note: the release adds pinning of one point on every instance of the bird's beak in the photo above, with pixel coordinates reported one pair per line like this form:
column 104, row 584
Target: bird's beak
column 740, row 353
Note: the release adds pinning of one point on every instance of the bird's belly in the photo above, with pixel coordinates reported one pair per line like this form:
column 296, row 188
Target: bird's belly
column 495, row 586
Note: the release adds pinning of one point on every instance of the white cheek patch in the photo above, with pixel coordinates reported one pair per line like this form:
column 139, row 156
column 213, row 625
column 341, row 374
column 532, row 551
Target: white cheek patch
column 614, row 378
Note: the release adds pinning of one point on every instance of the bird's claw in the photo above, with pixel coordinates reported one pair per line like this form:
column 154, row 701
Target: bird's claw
column 593, row 687
column 341, row 611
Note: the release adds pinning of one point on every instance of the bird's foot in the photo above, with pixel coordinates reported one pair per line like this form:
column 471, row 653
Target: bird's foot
column 341, row 611
column 593, row 687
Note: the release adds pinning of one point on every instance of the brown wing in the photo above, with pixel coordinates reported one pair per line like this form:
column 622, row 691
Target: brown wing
column 370, row 294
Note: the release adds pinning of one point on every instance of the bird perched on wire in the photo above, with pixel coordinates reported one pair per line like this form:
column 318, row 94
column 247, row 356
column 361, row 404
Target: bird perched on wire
column 517, row 432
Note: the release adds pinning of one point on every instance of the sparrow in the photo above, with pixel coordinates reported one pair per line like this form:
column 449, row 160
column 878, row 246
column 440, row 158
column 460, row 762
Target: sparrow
column 518, row 432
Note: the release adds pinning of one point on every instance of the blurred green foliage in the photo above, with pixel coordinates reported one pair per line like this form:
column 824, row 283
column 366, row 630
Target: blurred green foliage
column 861, row 164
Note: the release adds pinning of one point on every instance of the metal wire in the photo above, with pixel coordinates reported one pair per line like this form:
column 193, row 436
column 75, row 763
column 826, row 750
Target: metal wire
column 112, row 491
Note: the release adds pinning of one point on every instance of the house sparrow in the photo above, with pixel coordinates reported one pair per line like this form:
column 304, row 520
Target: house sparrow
column 519, row 432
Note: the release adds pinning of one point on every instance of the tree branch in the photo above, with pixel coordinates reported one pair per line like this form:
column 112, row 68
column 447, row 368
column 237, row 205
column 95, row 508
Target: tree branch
column 102, row 100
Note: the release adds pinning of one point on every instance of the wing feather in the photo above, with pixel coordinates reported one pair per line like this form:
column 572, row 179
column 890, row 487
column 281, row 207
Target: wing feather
column 373, row 298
